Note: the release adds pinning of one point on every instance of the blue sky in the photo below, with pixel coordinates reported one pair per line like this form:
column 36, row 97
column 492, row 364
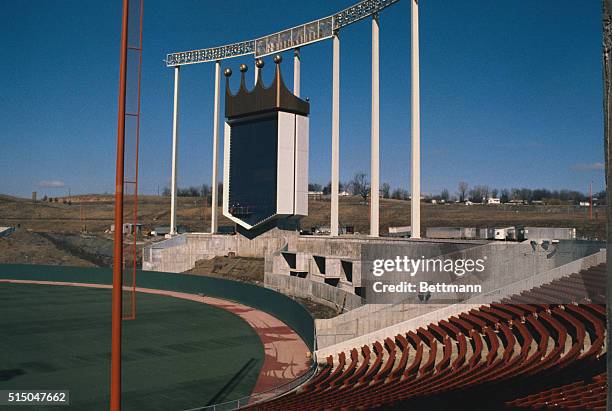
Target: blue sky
column 511, row 91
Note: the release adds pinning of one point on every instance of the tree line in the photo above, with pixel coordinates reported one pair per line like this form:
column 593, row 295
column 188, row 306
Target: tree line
column 359, row 185
column 203, row 191
column 480, row 193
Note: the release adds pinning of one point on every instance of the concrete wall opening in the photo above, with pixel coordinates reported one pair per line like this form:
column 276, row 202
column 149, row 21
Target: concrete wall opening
column 319, row 264
column 290, row 258
column 332, row 281
column 347, row 270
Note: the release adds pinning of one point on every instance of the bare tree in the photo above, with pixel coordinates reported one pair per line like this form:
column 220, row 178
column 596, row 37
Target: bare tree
column 315, row 187
column 385, row 190
column 206, row 190
column 505, row 195
column 360, row 185
column 475, row 194
column 344, row 186
column 445, row 195
column 462, row 190
column 220, row 194
column 485, row 191
column 327, row 189
column 400, row 194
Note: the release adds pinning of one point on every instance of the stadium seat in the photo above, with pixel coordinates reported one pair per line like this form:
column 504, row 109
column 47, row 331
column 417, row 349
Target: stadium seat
column 525, row 344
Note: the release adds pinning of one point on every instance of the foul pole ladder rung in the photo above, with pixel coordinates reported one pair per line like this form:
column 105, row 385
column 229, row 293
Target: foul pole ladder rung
column 132, row 142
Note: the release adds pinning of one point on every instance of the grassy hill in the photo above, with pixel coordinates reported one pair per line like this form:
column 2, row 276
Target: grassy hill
column 95, row 212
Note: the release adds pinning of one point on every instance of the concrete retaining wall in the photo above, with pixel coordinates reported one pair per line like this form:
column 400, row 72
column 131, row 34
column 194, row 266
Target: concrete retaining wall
column 180, row 253
column 317, row 291
column 350, row 246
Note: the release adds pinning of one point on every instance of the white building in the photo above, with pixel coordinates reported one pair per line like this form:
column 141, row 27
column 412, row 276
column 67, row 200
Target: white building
column 493, row 200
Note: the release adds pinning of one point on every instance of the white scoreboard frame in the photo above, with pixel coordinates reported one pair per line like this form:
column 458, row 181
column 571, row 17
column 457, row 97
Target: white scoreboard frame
column 292, row 168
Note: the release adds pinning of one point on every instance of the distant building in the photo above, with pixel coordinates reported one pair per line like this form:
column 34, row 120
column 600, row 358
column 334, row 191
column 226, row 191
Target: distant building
column 516, row 202
column 129, row 228
column 315, row 195
column 405, row 231
column 550, row 233
column 468, row 202
column 164, row 230
column 493, row 200
column 500, row 233
column 344, row 193
column 585, row 204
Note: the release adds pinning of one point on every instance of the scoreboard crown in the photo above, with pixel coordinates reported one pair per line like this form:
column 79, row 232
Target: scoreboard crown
column 265, row 167
column 262, row 99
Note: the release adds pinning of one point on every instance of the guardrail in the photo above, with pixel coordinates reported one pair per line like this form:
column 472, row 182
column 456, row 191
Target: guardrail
column 262, row 396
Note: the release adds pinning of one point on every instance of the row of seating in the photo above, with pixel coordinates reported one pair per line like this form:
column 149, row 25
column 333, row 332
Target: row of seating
column 522, row 345
column 578, row 395
column 587, row 286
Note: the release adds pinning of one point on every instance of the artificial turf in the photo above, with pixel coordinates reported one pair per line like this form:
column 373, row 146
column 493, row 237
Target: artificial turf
column 177, row 354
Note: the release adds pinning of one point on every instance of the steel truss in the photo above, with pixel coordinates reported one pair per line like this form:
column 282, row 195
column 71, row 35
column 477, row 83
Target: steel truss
column 298, row 36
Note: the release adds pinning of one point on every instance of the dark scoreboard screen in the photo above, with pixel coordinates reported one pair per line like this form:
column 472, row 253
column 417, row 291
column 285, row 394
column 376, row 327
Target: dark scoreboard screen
column 253, row 168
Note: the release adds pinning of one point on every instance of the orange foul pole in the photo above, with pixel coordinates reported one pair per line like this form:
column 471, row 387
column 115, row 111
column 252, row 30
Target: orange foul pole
column 115, row 397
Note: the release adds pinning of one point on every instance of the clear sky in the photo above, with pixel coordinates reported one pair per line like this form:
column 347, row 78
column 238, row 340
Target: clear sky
column 511, row 91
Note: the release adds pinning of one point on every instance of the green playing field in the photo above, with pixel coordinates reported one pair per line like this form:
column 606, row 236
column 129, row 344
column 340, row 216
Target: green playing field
column 177, row 354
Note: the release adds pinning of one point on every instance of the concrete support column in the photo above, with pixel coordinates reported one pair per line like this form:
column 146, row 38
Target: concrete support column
column 213, row 204
column 174, row 150
column 415, row 203
column 374, row 163
column 335, row 163
column 296, row 72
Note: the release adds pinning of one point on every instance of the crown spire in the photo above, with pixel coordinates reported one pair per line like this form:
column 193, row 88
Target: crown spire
column 261, row 99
